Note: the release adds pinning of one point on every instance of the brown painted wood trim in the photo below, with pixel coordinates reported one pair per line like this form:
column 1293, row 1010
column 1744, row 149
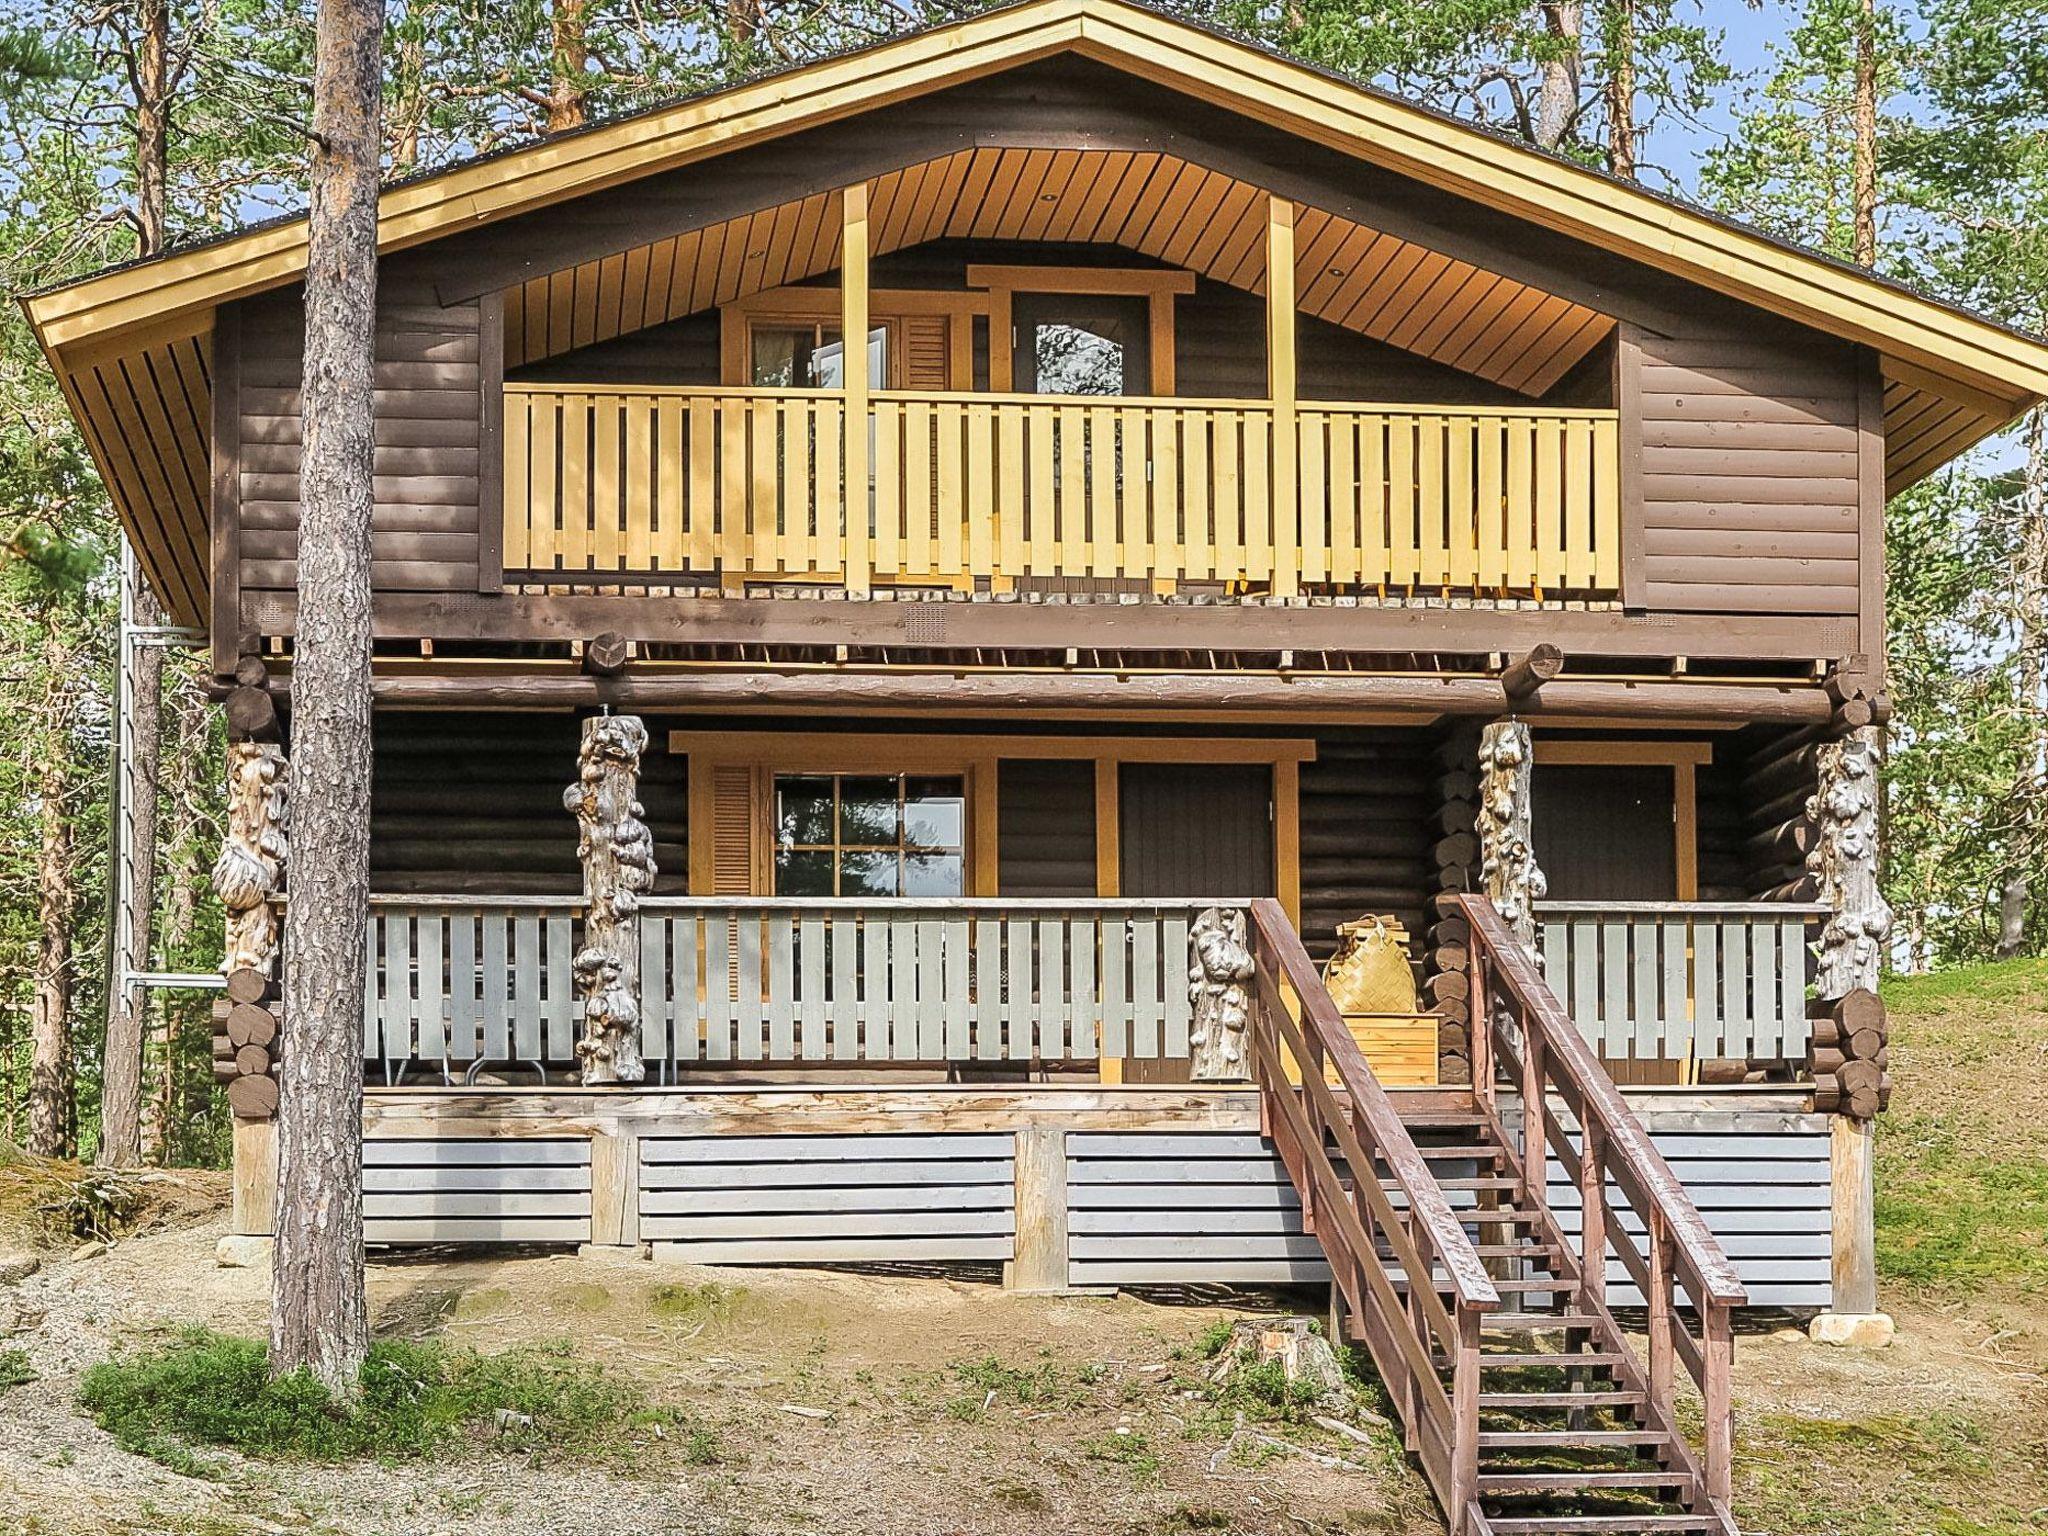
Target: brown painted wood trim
column 1870, row 507
column 1628, row 402
column 1126, row 626
column 490, row 462
column 1109, row 843
column 1685, row 827
column 1151, row 695
column 225, row 613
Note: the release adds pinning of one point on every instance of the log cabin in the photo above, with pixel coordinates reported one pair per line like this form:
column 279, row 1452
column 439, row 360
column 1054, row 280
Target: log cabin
column 1257, row 507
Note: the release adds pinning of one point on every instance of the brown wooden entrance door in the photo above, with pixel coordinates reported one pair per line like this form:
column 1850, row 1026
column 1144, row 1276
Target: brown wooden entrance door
column 1196, row 829
column 1605, row 832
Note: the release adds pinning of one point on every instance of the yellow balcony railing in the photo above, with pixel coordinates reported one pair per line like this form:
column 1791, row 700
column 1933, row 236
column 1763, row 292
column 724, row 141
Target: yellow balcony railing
column 749, row 485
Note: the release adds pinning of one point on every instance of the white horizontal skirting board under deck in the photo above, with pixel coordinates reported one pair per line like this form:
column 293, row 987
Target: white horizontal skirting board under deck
column 799, row 1199
column 455, row 1190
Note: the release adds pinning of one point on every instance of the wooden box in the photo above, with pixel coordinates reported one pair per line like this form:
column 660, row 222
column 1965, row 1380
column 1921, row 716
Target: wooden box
column 1399, row 1047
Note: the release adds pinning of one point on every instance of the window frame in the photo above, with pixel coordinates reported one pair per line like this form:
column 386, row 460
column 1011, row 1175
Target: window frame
column 838, row 846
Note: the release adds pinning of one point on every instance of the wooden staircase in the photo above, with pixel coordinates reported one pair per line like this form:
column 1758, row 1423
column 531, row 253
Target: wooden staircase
column 1528, row 1408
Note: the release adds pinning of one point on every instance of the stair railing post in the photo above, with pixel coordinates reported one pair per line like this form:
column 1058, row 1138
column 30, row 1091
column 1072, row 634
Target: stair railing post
column 1535, row 1145
column 1661, row 1321
column 1480, row 1024
column 1465, row 1419
column 1593, row 1211
column 1418, row 1238
column 1717, row 1345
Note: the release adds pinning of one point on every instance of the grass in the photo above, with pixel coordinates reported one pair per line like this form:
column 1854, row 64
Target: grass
column 15, row 1371
column 208, row 1389
column 1936, row 1474
column 1962, row 1177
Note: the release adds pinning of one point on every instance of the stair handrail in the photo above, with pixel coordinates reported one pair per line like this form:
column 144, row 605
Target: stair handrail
column 1553, row 1058
column 1404, row 1335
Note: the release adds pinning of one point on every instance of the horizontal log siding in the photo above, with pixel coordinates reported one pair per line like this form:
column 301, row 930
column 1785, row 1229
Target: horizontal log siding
column 430, row 387
column 463, row 1190
column 1749, row 472
column 828, row 1199
column 1366, row 808
column 471, row 803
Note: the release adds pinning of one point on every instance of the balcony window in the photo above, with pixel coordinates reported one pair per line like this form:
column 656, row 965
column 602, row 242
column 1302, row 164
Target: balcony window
column 1082, row 344
column 870, row 835
column 804, row 354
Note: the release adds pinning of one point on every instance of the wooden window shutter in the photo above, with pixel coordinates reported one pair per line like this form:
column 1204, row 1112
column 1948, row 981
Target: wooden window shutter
column 732, row 830
column 926, row 353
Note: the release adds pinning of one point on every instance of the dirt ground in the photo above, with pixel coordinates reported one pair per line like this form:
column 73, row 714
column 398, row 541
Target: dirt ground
column 817, row 1401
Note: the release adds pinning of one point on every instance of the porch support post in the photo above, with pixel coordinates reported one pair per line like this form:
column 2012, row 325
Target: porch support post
column 248, row 874
column 1219, row 973
column 1040, row 1262
column 1282, row 390
column 1851, row 955
column 853, row 334
column 1507, row 859
column 615, row 1191
column 617, row 851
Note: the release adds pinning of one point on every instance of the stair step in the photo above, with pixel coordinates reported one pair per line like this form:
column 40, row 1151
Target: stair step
column 1508, row 1287
column 1515, row 1362
column 1520, row 1400
column 1467, row 1152
column 1600, row 1525
column 1566, row 1439
column 1534, row 1320
column 1567, row 1481
column 1486, row 1183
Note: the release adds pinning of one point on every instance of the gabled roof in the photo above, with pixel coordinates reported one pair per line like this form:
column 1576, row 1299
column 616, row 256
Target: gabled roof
column 1952, row 377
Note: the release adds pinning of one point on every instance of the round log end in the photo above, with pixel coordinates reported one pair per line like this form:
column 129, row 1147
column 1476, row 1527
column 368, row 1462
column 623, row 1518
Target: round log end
column 253, row 1098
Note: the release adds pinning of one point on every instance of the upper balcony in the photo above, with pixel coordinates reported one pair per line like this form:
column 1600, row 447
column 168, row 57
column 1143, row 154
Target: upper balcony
column 999, row 492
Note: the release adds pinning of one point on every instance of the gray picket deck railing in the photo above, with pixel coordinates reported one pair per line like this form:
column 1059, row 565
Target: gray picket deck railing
column 1676, row 979
column 452, row 982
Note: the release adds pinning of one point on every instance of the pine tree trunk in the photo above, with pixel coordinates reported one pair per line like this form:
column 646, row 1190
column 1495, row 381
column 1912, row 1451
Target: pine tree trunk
column 1557, row 93
column 127, row 1008
column 318, row 1311
column 1621, row 89
column 2030, row 607
column 1863, row 144
column 569, row 61
column 49, row 1084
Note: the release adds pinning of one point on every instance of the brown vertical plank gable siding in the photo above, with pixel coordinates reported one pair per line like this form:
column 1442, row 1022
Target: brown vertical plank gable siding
column 430, row 431
column 1749, row 470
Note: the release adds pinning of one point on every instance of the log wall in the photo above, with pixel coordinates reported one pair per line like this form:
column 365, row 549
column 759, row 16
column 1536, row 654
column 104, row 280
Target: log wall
column 1749, row 453
column 437, row 376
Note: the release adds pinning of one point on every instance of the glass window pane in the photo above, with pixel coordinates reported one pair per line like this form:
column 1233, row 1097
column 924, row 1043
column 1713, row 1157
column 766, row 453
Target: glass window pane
column 934, row 813
column 868, row 872
column 867, row 812
column 1077, row 359
column 803, row 872
column 934, row 874
column 779, row 353
column 803, row 810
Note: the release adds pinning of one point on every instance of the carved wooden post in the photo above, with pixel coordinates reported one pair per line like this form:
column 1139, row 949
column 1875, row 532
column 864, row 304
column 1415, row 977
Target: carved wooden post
column 251, row 862
column 248, row 873
column 1507, row 859
column 617, row 852
column 1219, row 968
column 1851, row 957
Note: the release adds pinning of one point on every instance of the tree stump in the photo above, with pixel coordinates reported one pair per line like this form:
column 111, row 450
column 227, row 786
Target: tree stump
column 617, row 851
column 1303, row 1352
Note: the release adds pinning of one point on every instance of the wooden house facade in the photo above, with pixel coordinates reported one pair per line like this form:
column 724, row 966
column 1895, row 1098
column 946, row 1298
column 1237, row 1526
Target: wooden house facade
column 1260, row 505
